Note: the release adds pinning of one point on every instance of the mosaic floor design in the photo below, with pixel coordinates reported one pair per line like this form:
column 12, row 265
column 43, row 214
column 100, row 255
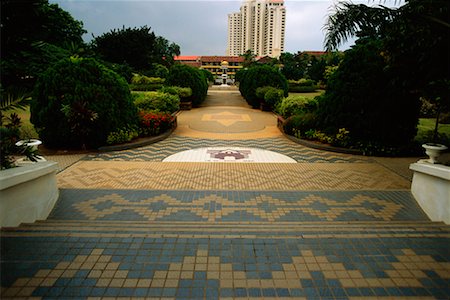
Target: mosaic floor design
column 211, row 268
column 236, row 206
column 232, row 154
column 229, row 176
column 175, row 144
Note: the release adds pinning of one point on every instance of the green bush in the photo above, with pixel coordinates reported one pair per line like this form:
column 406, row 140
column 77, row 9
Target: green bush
column 158, row 70
column 144, row 83
column 299, row 124
column 302, row 86
column 260, row 76
column 142, row 79
column 77, row 102
column 208, row 75
column 187, row 76
column 362, row 98
column 261, row 92
column 157, row 101
column 182, row 92
column 273, row 96
column 123, row 70
column 121, row 136
column 295, row 105
column 149, row 87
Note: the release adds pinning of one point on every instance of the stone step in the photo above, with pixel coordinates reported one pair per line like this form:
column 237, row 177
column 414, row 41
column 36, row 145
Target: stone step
column 231, row 229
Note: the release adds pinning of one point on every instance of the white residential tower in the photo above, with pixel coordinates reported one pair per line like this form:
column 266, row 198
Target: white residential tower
column 259, row 26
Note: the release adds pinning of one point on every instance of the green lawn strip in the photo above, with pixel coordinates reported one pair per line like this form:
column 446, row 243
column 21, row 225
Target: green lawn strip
column 308, row 95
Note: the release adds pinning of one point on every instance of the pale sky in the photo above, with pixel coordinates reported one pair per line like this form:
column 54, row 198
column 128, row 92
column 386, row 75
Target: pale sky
column 199, row 27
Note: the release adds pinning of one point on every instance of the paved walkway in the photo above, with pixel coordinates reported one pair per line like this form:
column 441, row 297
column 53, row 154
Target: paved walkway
column 128, row 225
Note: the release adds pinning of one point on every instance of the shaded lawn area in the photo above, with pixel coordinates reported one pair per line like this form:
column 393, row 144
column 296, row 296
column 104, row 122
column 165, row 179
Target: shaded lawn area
column 426, row 127
column 308, row 95
column 27, row 130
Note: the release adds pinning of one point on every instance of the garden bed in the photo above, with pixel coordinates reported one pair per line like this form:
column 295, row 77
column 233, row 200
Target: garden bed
column 314, row 144
column 144, row 141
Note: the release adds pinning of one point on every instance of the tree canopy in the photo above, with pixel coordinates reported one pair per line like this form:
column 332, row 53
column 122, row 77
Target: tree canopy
column 137, row 47
column 34, row 32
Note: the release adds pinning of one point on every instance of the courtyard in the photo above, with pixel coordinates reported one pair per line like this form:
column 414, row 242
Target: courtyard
column 237, row 220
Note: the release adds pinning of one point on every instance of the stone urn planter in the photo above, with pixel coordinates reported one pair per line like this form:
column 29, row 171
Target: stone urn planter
column 434, row 151
column 33, row 143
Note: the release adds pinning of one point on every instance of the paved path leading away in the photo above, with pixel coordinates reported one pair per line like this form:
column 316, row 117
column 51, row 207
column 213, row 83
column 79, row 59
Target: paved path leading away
column 328, row 226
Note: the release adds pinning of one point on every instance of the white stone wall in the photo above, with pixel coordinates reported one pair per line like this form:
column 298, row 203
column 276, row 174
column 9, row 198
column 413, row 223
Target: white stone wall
column 431, row 188
column 27, row 193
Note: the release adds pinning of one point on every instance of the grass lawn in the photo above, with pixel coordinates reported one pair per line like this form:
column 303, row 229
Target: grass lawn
column 427, row 125
column 308, row 95
column 27, row 130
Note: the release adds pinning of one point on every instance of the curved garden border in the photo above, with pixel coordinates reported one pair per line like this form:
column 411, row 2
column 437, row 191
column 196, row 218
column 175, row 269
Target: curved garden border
column 142, row 141
column 314, row 145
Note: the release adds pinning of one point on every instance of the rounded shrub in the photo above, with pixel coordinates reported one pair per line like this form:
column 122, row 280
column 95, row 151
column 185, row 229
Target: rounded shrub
column 362, row 97
column 77, row 102
column 295, row 105
column 273, row 96
column 187, row 76
column 299, row 124
column 157, row 101
column 182, row 92
column 260, row 76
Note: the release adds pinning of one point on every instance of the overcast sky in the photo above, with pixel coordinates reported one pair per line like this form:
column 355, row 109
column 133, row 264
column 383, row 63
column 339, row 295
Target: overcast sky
column 199, row 27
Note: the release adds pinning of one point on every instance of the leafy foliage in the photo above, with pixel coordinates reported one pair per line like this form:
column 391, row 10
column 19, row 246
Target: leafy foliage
column 122, row 136
column 259, row 76
column 296, row 105
column 187, row 76
column 34, row 34
column 157, row 101
column 9, row 135
column 154, row 123
column 269, row 95
column 145, row 83
column 297, row 124
column 14, row 99
column 78, row 102
column 413, row 42
column 302, row 85
column 361, row 98
column 182, row 92
column 140, row 48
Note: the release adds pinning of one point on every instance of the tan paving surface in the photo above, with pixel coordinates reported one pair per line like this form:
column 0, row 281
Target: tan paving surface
column 229, row 176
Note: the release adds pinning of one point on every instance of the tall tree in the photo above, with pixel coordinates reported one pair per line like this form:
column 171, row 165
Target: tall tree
column 29, row 29
column 414, row 42
column 138, row 47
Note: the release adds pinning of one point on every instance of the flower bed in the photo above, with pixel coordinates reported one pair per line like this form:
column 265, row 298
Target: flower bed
column 154, row 123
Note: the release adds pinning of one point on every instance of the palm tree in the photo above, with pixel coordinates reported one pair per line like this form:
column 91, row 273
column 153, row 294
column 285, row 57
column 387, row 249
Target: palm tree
column 414, row 40
column 351, row 20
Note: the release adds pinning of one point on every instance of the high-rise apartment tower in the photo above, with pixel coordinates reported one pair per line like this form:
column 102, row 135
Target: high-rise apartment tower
column 259, row 27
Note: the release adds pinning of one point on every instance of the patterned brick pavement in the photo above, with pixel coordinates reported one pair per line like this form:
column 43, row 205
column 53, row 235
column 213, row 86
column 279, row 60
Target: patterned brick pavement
column 129, row 226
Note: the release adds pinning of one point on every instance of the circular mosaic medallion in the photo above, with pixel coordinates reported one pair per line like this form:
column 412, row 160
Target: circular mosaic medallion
column 230, row 154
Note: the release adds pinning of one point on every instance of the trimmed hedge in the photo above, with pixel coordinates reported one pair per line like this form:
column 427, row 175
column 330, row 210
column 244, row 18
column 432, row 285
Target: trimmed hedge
column 157, row 101
column 302, row 86
column 144, row 83
column 182, row 92
column 77, row 102
column 259, row 76
column 187, row 76
column 295, row 105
